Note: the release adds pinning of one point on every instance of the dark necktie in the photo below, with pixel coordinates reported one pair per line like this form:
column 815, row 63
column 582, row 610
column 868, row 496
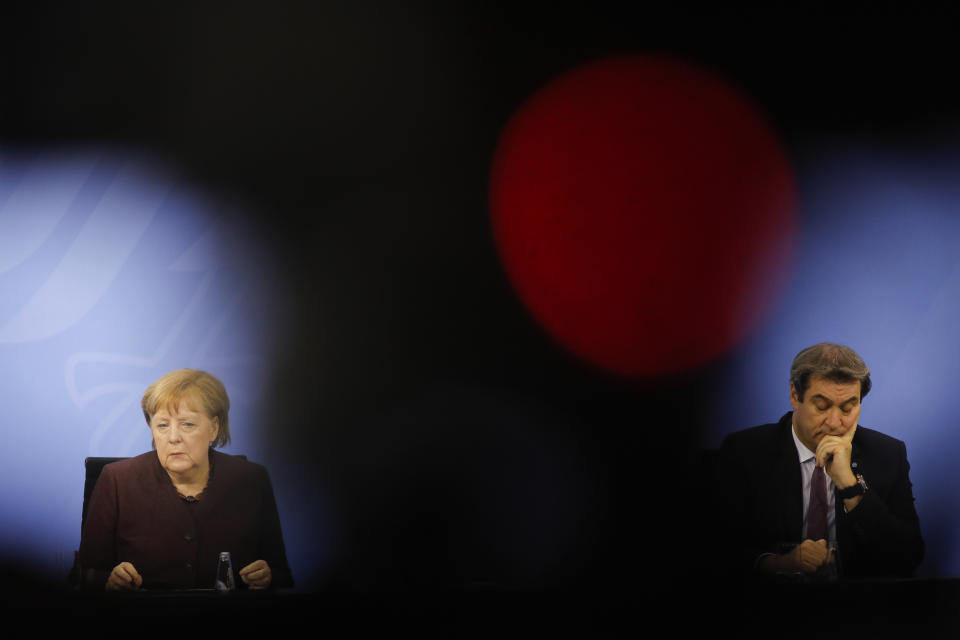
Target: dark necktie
column 817, row 512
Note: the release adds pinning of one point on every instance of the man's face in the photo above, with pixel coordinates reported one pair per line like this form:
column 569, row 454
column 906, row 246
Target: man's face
column 828, row 408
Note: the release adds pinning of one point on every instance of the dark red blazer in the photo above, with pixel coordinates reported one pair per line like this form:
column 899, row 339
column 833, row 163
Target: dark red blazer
column 135, row 515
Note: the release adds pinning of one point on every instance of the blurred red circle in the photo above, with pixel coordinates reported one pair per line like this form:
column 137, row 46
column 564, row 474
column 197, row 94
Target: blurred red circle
column 644, row 212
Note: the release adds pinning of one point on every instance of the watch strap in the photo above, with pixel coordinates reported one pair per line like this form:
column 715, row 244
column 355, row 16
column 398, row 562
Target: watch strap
column 854, row 490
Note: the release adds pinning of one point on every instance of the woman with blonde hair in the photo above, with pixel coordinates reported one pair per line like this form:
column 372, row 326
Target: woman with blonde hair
column 161, row 519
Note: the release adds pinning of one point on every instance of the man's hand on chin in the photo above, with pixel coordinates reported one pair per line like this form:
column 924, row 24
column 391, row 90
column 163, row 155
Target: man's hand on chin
column 834, row 455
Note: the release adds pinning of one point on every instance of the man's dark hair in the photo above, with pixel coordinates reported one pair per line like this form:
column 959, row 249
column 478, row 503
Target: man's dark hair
column 833, row 362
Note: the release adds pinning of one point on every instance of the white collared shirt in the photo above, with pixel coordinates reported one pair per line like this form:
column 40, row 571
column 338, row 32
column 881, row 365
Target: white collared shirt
column 807, row 465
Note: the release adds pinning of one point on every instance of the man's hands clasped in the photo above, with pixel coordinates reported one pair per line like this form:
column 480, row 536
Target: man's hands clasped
column 810, row 556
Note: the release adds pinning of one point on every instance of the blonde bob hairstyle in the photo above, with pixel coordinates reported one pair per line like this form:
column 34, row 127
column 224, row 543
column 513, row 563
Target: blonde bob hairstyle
column 195, row 387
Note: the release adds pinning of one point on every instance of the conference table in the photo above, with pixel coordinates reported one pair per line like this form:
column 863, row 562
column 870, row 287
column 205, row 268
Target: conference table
column 922, row 608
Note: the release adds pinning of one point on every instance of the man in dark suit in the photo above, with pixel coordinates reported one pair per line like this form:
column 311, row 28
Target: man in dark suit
column 794, row 491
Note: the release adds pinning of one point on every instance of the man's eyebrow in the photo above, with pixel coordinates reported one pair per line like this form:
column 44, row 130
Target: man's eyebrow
column 818, row 396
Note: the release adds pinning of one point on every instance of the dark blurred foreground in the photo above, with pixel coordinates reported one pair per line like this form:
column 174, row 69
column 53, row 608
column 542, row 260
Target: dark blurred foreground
column 652, row 608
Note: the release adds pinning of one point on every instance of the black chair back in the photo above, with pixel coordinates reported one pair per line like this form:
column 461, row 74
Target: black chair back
column 93, row 466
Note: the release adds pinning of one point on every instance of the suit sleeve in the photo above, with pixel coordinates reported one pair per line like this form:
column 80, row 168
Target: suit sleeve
column 98, row 539
column 885, row 524
column 272, row 549
column 734, row 513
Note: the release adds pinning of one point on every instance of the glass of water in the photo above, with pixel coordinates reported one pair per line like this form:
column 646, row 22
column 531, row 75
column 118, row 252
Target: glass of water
column 225, row 573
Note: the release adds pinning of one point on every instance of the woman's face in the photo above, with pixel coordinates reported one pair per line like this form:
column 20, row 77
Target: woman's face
column 182, row 436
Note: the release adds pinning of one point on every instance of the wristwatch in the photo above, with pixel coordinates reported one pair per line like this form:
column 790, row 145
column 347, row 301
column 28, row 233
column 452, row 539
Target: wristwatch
column 855, row 490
